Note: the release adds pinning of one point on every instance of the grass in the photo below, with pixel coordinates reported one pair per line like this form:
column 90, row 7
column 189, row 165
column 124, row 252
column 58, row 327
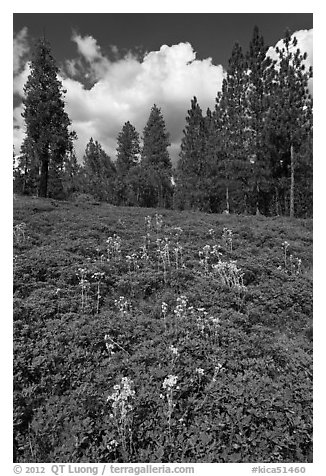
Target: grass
column 243, row 362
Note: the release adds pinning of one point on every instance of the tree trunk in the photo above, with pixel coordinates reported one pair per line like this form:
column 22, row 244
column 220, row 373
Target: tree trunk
column 43, row 187
column 257, row 200
column 292, row 184
column 227, row 200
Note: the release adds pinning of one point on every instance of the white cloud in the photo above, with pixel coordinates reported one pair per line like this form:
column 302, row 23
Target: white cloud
column 19, row 128
column 126, row 89
column 20, row 79
column 20, row 49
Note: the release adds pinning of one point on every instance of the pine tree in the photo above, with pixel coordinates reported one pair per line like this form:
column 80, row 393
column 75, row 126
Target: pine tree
column 47, row 123
column 128, row 152
column 289, row 119
column 99, row 172
column 231, row 110
column 260, row 74
column 156, row 167
column 128, row 149
column 191, row 168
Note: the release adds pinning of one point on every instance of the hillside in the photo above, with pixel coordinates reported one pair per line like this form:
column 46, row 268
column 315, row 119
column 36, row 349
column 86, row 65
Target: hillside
column 180, row 337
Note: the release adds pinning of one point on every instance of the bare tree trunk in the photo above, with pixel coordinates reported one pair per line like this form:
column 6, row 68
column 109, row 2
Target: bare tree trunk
column 257, row 203
column 227, row 200
column 292, row 184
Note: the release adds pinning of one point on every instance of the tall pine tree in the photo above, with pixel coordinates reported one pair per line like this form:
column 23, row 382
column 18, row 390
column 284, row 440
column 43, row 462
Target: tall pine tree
column 289, row 121
column 260, row 75
column 191, row 168
column 47, row 123
column 155, row 162
column 231, row 111
column 128, row 154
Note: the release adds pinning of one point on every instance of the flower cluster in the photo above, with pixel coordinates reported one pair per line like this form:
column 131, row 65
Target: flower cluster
column 114, row 247
column 19, row 232
column 227, row 238
column 292, row 265
column 132, row 262
column 122, row 408
column 148, row 222
column 207, row 252
column 170, row 381
column 182, row 307
column 122, row 304
column 230, row 274
column 158, row 222
column 109, row 347
column 164, row 309
column 174, row 350
column 121, row 396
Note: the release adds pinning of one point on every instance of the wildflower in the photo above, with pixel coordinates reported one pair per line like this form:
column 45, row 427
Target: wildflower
column 217, row 369
column 122, row 392
column 122, row 304
column 214, row 320
column 121, row 399
column 112, row 444
column 174, row 350
column 181, row 309
column 109, row 347
column 200, row 372
column 170, row 381
column 164, row 308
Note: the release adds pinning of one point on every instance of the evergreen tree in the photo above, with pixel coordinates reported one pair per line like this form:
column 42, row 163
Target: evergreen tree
column 231, row 110
column 47, row 123
column 260, row 75
column 99, row 172
column 156, row 164
column 289, row 120
column 128, row 149
column 128, row 152
column 192, row 166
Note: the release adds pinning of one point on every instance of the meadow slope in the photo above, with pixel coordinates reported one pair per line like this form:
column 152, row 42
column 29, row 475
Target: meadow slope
column 180, row 337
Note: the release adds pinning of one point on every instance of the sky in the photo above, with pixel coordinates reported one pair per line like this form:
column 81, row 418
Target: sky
column 116, row 66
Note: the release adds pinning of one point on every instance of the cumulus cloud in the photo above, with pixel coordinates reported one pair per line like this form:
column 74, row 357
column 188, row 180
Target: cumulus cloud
column 20, row 65
column 126, row 89
column 20, row 49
